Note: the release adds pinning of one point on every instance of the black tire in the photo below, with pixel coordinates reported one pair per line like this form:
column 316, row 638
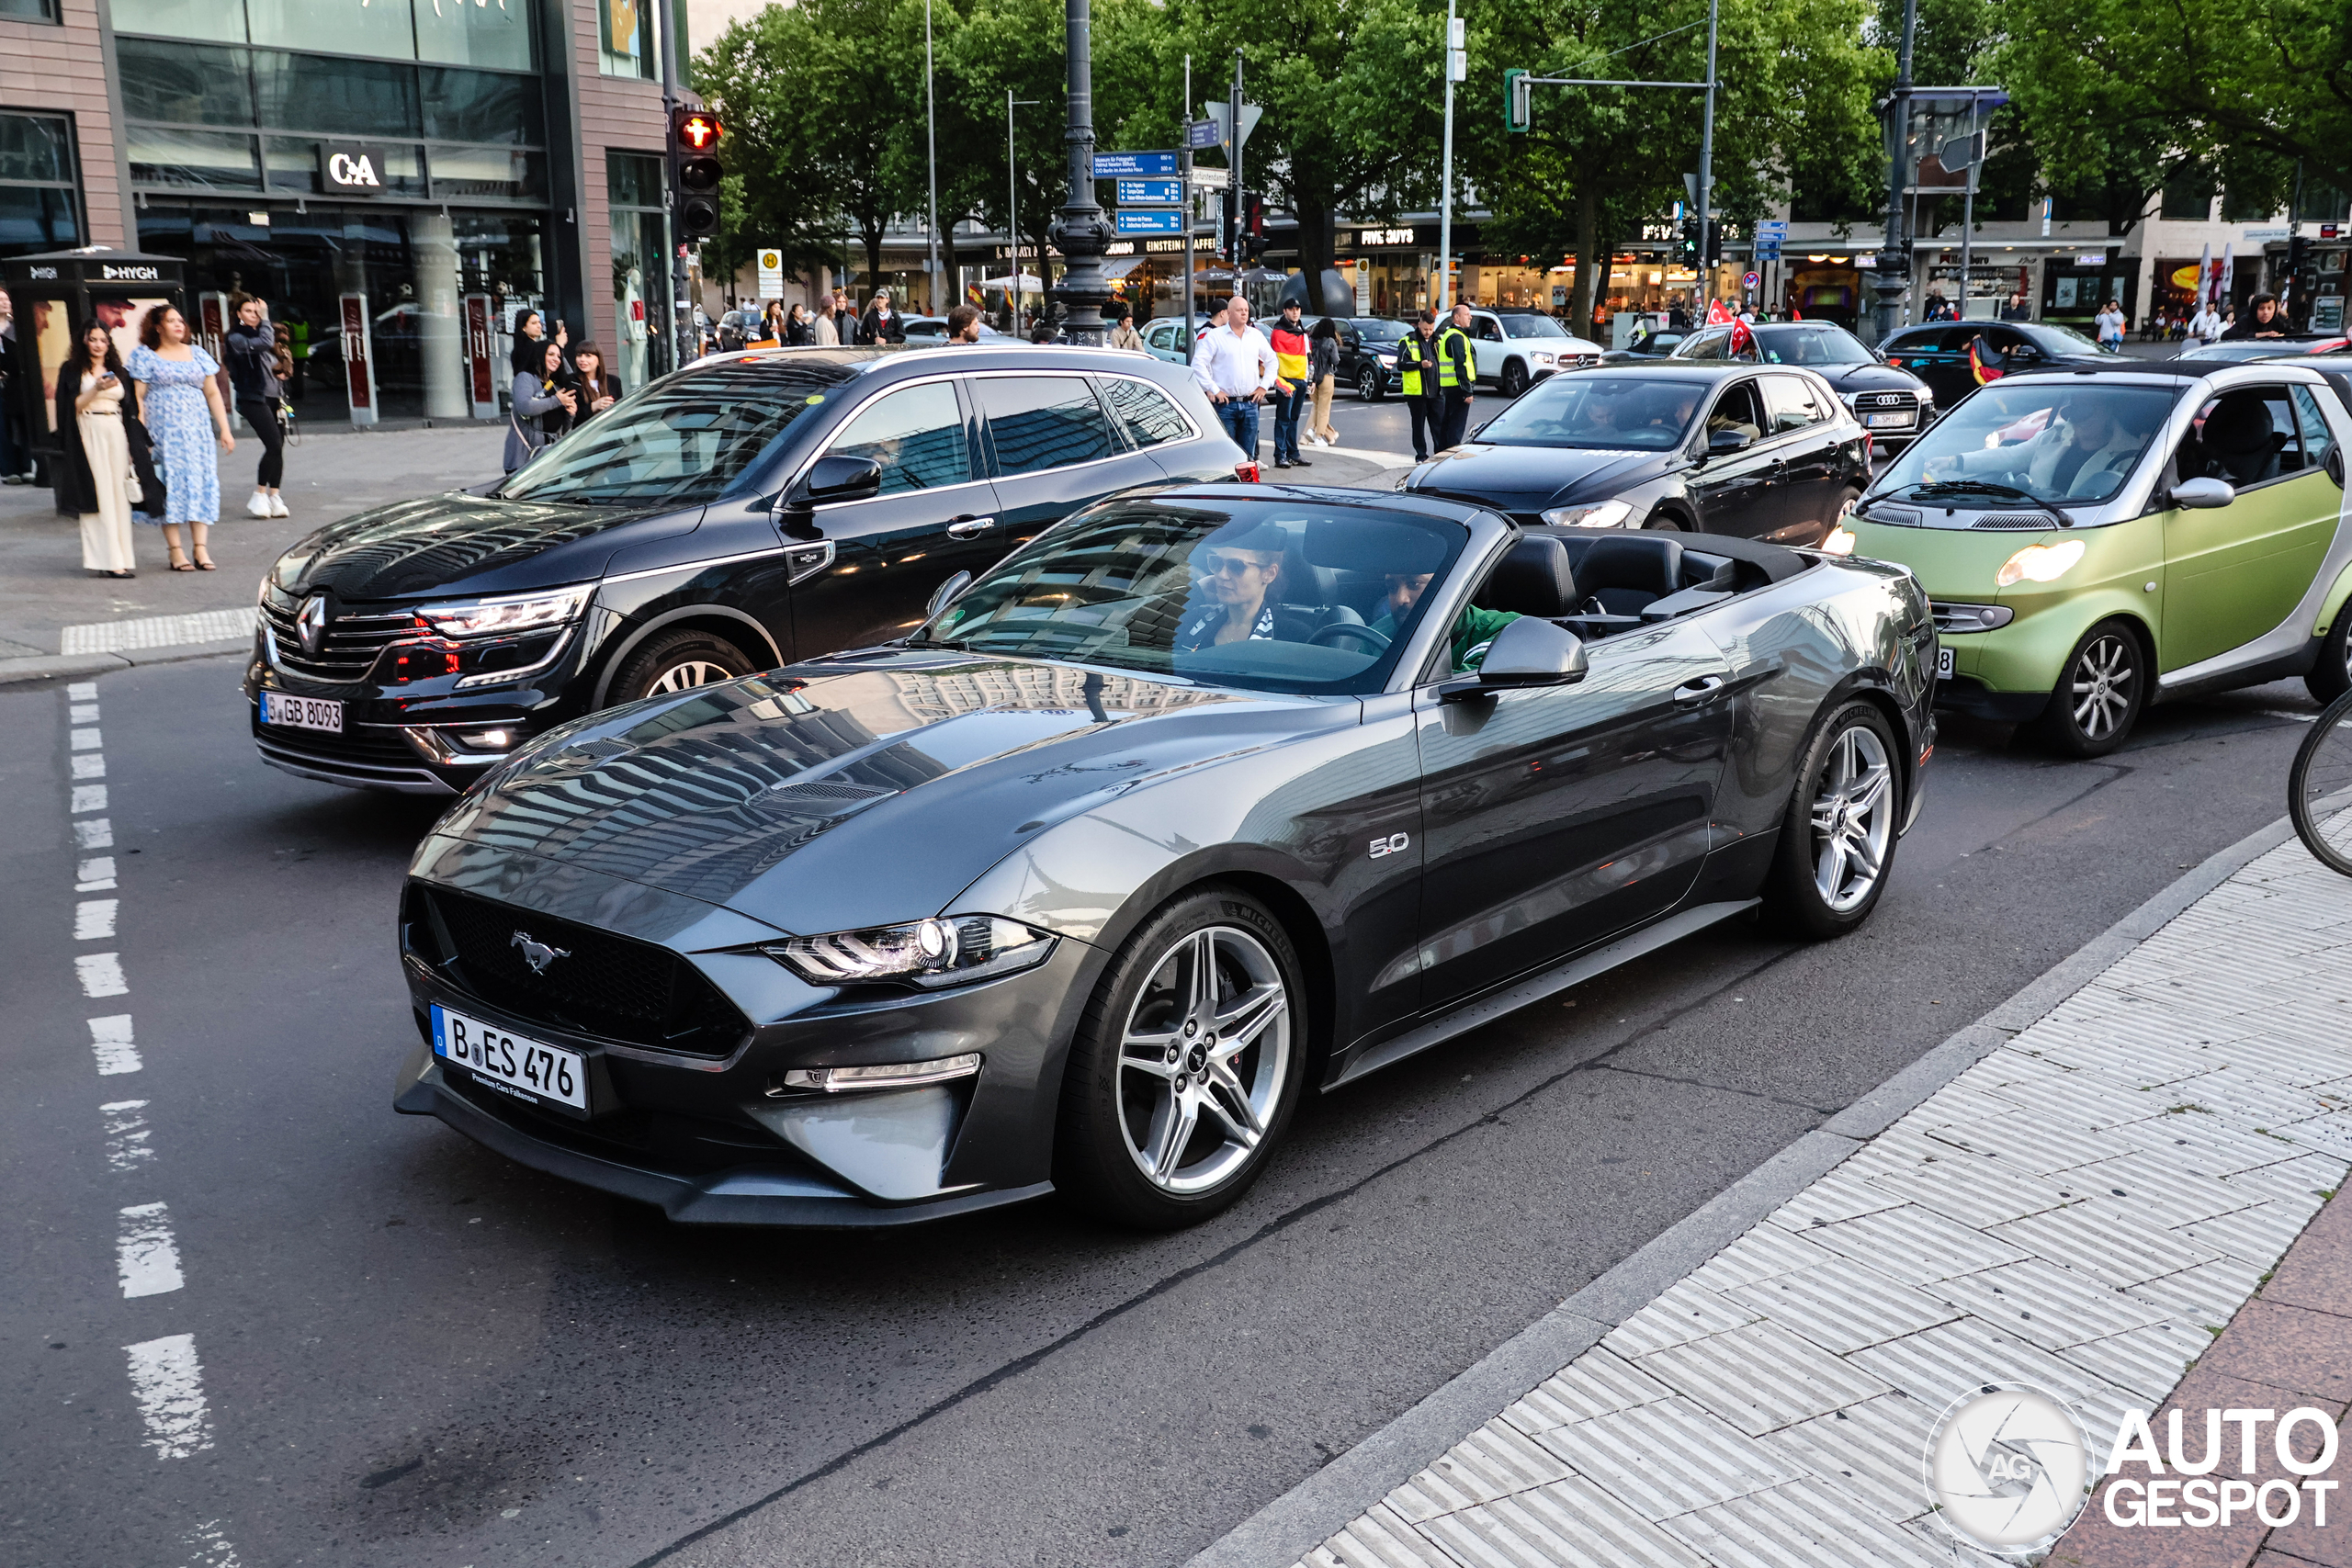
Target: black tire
column 678, row 661
column 1115, row 1101
column 2101, row 689
column 1369, row 385
column 1795, row 897
column 2332, row 676
column 1664, row 523
column 1513, row 380
column 2319, row 780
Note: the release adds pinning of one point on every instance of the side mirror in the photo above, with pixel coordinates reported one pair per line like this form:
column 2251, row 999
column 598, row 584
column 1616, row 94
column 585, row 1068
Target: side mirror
column 838, row 476
column 944, row 594
column 2335, row 465
column 2203, row 493
column 1528, row 653
column 1723, row 443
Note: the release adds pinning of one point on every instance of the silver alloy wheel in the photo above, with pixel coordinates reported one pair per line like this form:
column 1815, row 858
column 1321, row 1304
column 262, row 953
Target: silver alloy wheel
column 686, row 674
column 1853, row 819
column 2100, row 684
column 1204, row 1059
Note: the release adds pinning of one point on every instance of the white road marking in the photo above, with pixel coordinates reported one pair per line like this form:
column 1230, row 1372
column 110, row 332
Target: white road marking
column 127, row 1144
column 93, row 919
column 89, row 766
column 95, row 874
column 89, row 797
column 110, row 1040
column 145, row 1255
column 169, row 1383
column 157, row 631
column 85, row 739
column 81, row 691
column 213, row 1549
column 101, row 973
column 81, row 713
column 94, row 833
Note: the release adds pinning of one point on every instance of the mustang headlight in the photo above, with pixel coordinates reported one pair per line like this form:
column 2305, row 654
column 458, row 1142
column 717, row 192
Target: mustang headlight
column 507, row 614
column 929, row 953
column 1599, row 515
column 2039, row 563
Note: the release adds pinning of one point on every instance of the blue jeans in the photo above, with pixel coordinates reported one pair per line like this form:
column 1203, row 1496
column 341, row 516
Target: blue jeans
column 1240, row 417
column 1288, row 406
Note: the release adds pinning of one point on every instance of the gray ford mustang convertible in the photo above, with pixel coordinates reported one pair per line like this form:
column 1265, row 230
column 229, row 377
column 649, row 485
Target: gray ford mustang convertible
column 1201, row 799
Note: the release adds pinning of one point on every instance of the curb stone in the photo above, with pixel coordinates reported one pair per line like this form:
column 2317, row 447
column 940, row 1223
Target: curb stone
column 64, row 666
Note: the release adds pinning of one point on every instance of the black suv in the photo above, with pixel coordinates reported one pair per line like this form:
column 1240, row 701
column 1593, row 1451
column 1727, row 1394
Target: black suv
column 743, row 513
column 1888, row 400
column 1937, row 352
column 1368, row 355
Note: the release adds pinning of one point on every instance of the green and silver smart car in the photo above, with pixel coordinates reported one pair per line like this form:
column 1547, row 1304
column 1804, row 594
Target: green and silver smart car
column 2097, row 540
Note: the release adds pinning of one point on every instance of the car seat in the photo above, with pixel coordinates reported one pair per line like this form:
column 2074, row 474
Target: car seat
column 1533, row 579
column 1624, row 574
column 2239, row 441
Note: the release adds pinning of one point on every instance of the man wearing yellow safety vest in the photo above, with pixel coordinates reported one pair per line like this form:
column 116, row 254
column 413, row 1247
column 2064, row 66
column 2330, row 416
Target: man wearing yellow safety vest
column 1417, row 381
column 1457, row 374
column 1289, row 341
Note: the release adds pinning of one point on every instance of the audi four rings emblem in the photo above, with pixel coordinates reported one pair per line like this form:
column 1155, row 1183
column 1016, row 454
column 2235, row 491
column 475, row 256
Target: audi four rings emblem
column 536, row 954
column 1392, row 845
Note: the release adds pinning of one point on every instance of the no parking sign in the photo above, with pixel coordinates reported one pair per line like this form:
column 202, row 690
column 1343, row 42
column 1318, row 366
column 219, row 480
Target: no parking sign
column 1748, row 280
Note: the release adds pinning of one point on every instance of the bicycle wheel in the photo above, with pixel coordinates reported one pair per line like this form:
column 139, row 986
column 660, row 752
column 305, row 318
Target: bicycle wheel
column 2318, row 787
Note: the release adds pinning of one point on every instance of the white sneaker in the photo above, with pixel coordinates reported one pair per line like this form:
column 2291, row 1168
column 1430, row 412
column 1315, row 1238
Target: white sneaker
column 277, row 506
column 258, row 506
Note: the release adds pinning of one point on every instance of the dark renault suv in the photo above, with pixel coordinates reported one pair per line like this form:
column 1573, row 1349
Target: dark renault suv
column 739, row 514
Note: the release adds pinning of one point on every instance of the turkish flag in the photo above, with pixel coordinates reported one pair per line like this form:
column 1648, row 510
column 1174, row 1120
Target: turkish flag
column 1743, row 342
column 1718, row 314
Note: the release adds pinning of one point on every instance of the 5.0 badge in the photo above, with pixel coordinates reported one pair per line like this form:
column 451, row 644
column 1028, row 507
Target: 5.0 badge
column 1395, row 844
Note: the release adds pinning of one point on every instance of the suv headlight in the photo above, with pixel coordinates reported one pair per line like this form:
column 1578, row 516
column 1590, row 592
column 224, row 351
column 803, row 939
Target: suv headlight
column 1599, row 515
column 508, row 614
column 929, row 953
column 1540, row 356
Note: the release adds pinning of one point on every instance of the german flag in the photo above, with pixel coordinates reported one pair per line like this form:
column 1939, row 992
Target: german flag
column 1976, row 366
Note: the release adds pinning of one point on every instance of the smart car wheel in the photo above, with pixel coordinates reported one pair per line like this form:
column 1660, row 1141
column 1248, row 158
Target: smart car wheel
column 2332, row 676
column 1185, row 1070
column 1514, row 379
column 1839, row 835
column 1368, row 386
column 2099, row 697
column 678, row 661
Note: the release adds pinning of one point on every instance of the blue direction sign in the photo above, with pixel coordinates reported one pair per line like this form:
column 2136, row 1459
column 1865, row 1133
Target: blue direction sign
column 1150, row 193
column 1163, row 221
column 1109, row 166
column 1203, row 133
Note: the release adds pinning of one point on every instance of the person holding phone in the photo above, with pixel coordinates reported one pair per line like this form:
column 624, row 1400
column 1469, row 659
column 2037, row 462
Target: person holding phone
column 96, row 475
column 253, row 371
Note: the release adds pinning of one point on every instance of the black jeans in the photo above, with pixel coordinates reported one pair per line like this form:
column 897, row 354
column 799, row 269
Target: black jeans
column 1457, row 418
column 1428, row 420
column 263, row 417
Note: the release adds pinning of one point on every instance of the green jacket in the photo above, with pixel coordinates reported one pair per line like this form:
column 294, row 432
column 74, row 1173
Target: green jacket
column 1473, row 630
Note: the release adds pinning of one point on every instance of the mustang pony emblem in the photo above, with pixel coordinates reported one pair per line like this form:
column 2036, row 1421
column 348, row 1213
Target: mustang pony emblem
column 536, row 954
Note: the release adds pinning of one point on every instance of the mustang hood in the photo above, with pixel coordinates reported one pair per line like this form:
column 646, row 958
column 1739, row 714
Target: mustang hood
column 834, row 795
column 1528, row 478
column 457, row 543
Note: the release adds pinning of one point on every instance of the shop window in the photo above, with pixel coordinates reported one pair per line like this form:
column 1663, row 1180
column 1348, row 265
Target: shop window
column 625, row 31
column 335, row 98
column 209, row 19
column 633, row 179
column 495, row 33
column 381, row 29
column 291, row 162
column 184, row 84
column 477, row 106
column 489, row 171
column 163, row 156
column 40, row 207
column 29, row 10
column 639, row 249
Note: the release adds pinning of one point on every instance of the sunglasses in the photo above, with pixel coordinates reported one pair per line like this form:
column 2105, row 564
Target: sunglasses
column 1230, row 566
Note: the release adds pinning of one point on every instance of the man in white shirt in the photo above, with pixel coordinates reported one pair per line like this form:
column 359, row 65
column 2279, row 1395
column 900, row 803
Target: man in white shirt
column 1235, row 365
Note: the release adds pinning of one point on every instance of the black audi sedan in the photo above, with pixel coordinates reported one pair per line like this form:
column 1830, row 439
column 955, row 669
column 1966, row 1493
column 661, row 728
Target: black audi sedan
column 1937, row 352
column 739, row 513
column 1759, row 453
column 1207, row 800
column 1890, row 402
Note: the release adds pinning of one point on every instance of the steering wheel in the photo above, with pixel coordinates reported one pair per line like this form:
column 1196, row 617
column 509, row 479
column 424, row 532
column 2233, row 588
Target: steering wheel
column 1378, row 641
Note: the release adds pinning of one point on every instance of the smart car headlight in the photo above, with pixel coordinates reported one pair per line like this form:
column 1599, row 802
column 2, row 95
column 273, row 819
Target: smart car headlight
column 500, row 617
column 929, row 953
column 2039, row 563
column 1598, row 514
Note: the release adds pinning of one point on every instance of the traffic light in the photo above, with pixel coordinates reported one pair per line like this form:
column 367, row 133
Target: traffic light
column 1517, row 95
column 1714, row 241
column 693, row 144
column 1686, row 245
column 1254, row 227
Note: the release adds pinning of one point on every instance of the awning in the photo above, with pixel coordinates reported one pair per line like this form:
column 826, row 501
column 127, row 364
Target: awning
column 1119, row 266
column 1028, row 285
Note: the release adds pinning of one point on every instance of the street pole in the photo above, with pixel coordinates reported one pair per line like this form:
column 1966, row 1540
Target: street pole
column 1706, row 164
column 1233, row 161
column 678, row 326
column 1894, row 259
column 1186, row 161
column 1083, row 235
column 1445, row 198
column 931, row 119
column 1013, row 204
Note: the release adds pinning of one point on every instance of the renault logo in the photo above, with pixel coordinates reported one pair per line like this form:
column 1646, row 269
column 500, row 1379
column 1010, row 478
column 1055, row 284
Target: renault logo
column 536, row 954
column 313, row 622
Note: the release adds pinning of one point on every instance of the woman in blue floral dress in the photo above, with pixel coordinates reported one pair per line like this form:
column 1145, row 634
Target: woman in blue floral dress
column 177, row 393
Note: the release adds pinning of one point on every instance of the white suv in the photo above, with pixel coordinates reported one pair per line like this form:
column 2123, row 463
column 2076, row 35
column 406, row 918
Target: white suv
column 1515, row 349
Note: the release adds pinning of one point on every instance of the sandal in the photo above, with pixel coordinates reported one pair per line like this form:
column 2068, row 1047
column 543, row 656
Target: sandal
column 204, row 562
column 179, row 559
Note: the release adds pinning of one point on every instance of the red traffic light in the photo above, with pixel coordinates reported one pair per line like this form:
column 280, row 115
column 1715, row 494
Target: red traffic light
column 698, row 131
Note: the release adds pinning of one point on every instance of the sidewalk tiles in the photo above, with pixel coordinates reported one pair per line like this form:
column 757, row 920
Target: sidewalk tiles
column 157, row 631
column 2084, row 1209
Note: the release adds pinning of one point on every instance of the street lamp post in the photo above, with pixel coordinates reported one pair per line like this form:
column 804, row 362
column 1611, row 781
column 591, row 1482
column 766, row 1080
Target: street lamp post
column 931, row 122
column 1083, row 236
column 1013, row 204
column 1895, row 260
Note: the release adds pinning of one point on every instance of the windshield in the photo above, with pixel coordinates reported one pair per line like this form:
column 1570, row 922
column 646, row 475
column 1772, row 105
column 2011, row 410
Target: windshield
column 1600, row 413
column 1376, row 330
column 1268, row 595
column 682, row 438
column 1532, row 326
column 2057, row 339
column 1810, row 346
column 2047, row 441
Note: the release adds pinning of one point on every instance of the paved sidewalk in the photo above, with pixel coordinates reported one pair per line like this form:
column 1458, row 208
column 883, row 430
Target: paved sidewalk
column 2077, row 1193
